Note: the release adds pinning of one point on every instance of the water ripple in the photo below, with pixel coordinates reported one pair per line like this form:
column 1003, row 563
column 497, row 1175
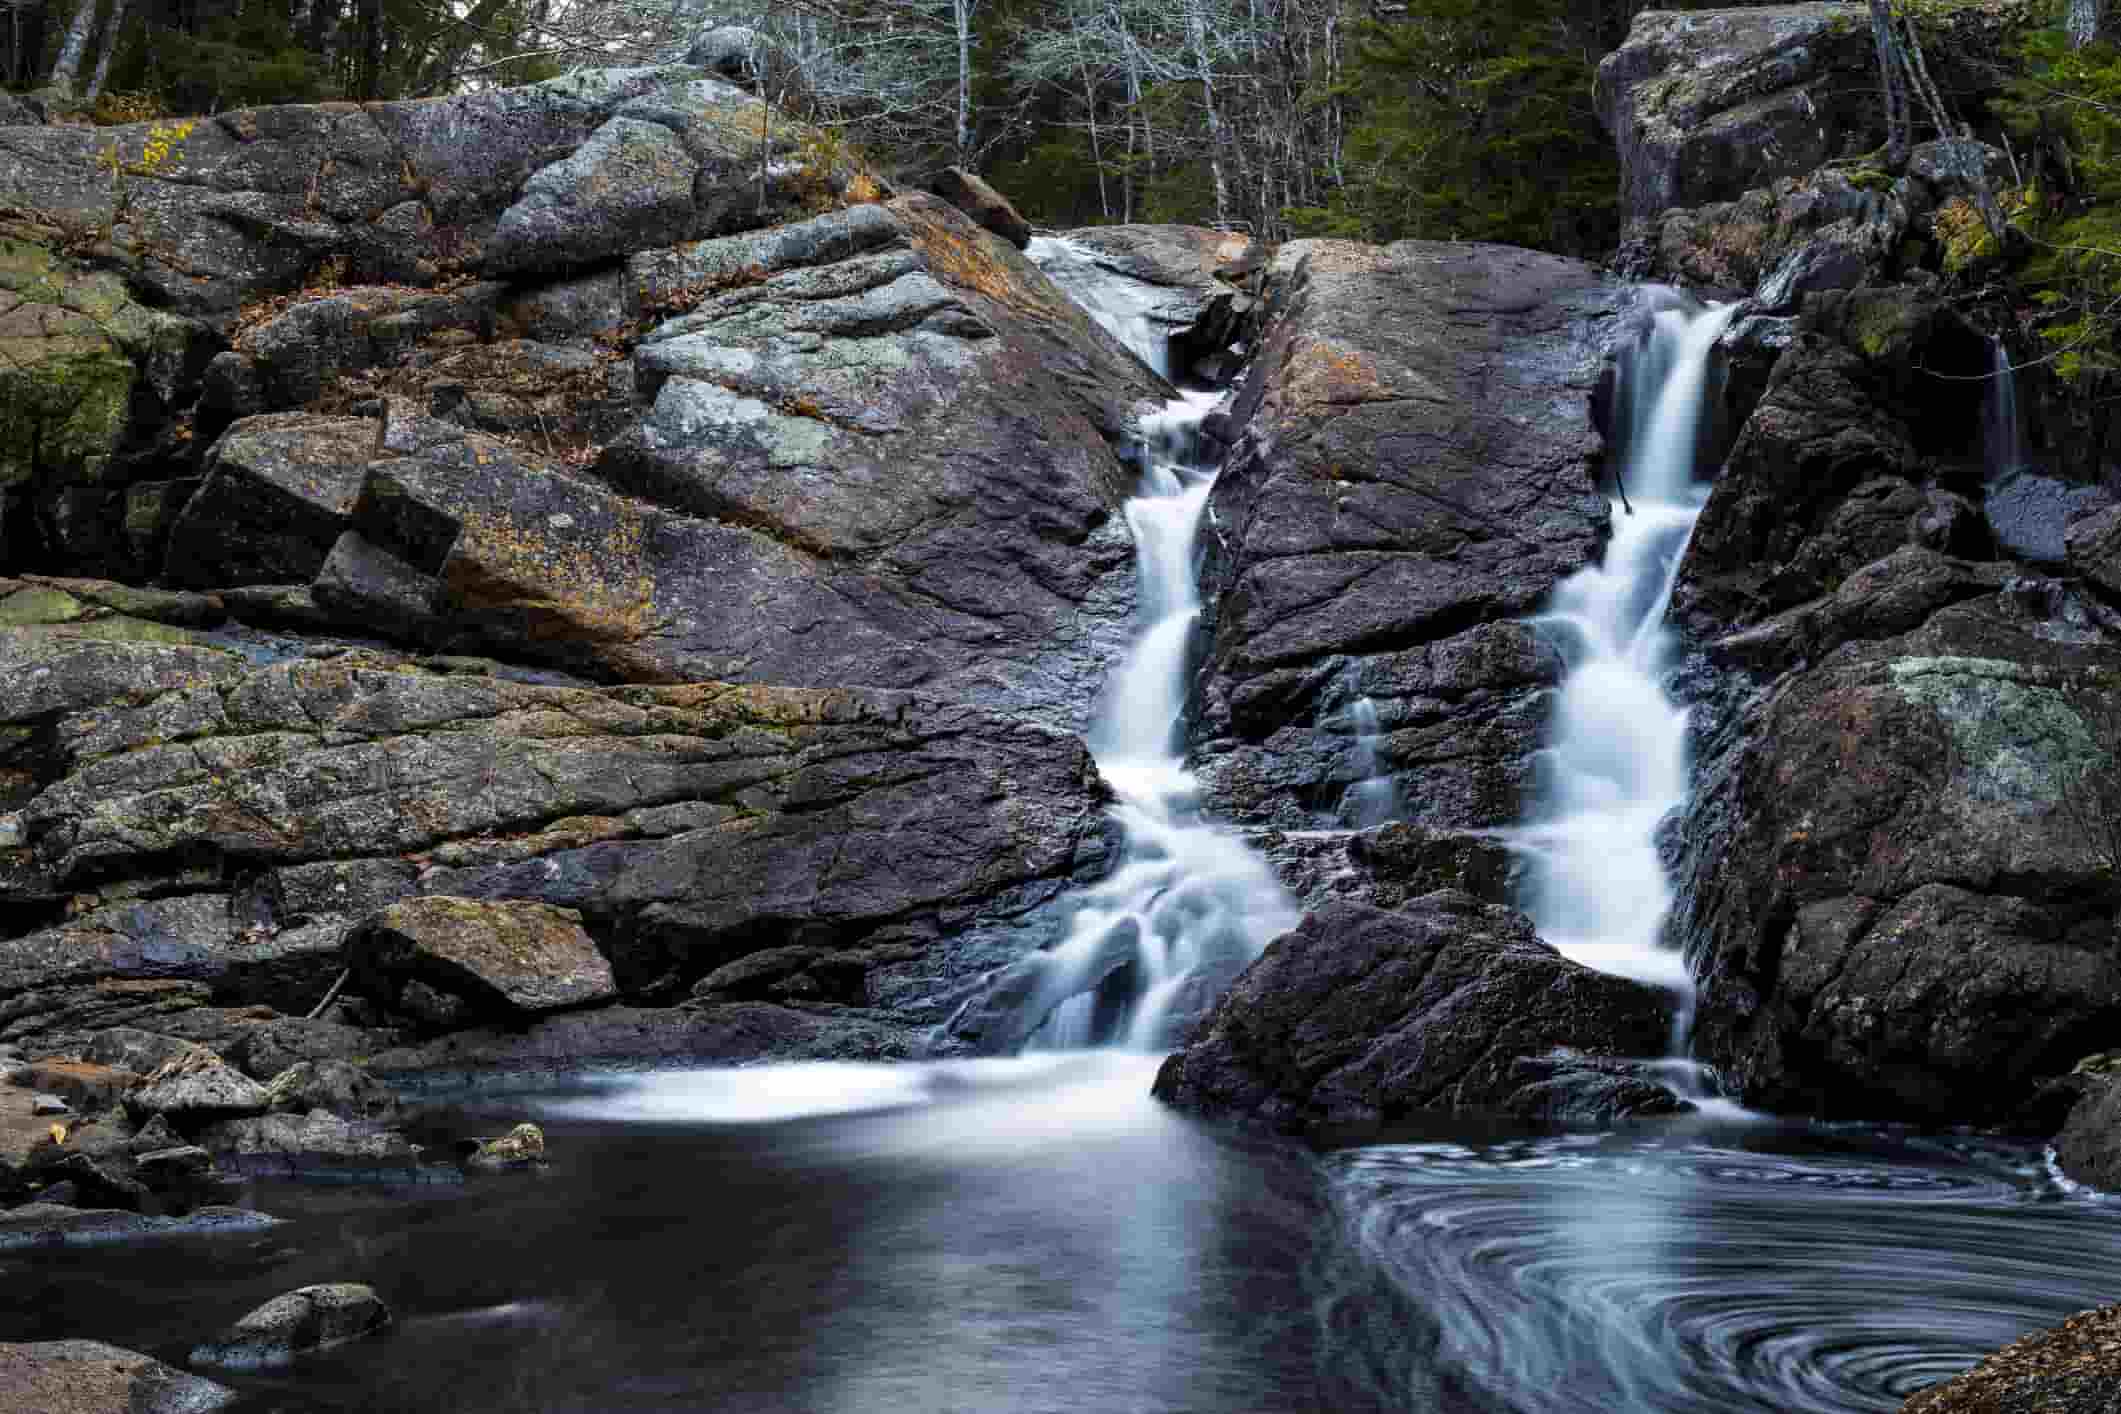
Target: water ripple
column 1695, row 1274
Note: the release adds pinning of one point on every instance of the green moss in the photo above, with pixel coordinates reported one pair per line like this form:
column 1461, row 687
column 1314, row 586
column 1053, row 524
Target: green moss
column 1883, row 323
column 62, row 415
column 38, row 605
column 120, row 628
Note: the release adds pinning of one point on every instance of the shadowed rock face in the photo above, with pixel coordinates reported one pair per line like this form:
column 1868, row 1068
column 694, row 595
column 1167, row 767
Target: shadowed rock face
column 1362, row 1016
column 1417, row 469
column 1897, row 913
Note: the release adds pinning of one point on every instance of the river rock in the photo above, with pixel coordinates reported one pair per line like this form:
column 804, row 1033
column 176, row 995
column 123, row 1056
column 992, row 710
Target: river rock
column 343, row 1089
column 1364, row 1016
column 318, row 1145
column 1416, row 471
column 520, row 1148
column 2071, row 1369
column 38, row 1225
column 89, row 1377
column 1900, row 916
column 501, row 957
column 306, row 1319
column 195, row 1087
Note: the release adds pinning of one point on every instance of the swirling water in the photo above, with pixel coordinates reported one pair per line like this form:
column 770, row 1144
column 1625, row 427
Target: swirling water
column 1038, row 1236
column 1773, row 1270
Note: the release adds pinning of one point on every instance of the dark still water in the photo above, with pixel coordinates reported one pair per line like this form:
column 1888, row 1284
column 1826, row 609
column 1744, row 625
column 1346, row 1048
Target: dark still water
column 1038, row 1235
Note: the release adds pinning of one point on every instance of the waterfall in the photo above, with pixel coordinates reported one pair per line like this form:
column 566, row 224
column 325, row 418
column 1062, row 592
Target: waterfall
column 1114, row 301
column 1616, row 765
column 1373, row 798
column 1151, row 947
column 2002, row 431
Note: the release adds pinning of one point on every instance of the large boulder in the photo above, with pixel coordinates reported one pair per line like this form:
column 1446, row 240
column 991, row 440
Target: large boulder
column 915, row 841
column 1904, row 904
column 505, row 181
column 89, row 1377
column 501, row 957
column 1705, row 104
column 1416, row 472
column 1365, row 1016
column 197, row 1087
column 306, row 1319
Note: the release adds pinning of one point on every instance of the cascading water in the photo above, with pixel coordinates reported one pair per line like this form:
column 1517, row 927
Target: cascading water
column 1190, row 904
column 2003, row 433
column 1373, row 798
column 1617, row 764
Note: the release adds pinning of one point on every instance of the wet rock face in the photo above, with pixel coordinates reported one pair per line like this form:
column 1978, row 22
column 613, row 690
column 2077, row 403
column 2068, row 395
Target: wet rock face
column 1417, row 470
column 1899, row 913
column 1363, row 1016
column 2088, row 1148
column 1198, row 286
column 89, row 1377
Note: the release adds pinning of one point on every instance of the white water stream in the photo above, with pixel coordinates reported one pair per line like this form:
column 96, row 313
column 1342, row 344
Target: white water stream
column 1190, row 904
column 1617, row 763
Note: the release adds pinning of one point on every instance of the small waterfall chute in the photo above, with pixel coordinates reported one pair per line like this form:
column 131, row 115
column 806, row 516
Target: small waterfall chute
column 1616, row 764
column 1191, row 904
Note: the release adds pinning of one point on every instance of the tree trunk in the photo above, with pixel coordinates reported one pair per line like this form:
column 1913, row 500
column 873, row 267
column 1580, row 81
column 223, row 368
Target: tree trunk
column 112, row 33
column 961, row 12
column 1197, row 35
column 68, row 69
column 1097, row 150
column 2082, row 22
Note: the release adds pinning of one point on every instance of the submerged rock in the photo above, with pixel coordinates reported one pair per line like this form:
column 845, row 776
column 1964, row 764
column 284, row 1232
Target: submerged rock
column 309, row 1318
column 520, row 1148
column 89, row 1377
column 1363, row 1017
column 56, row 1225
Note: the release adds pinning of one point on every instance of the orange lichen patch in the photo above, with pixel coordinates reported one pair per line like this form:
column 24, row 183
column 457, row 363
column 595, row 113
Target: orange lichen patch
column 968, row 258
column 1322, row 373
column 591, row 584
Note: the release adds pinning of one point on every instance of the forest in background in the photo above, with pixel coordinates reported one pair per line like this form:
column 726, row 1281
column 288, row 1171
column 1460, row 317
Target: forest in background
column 1465, row 119
column 1437, row 119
